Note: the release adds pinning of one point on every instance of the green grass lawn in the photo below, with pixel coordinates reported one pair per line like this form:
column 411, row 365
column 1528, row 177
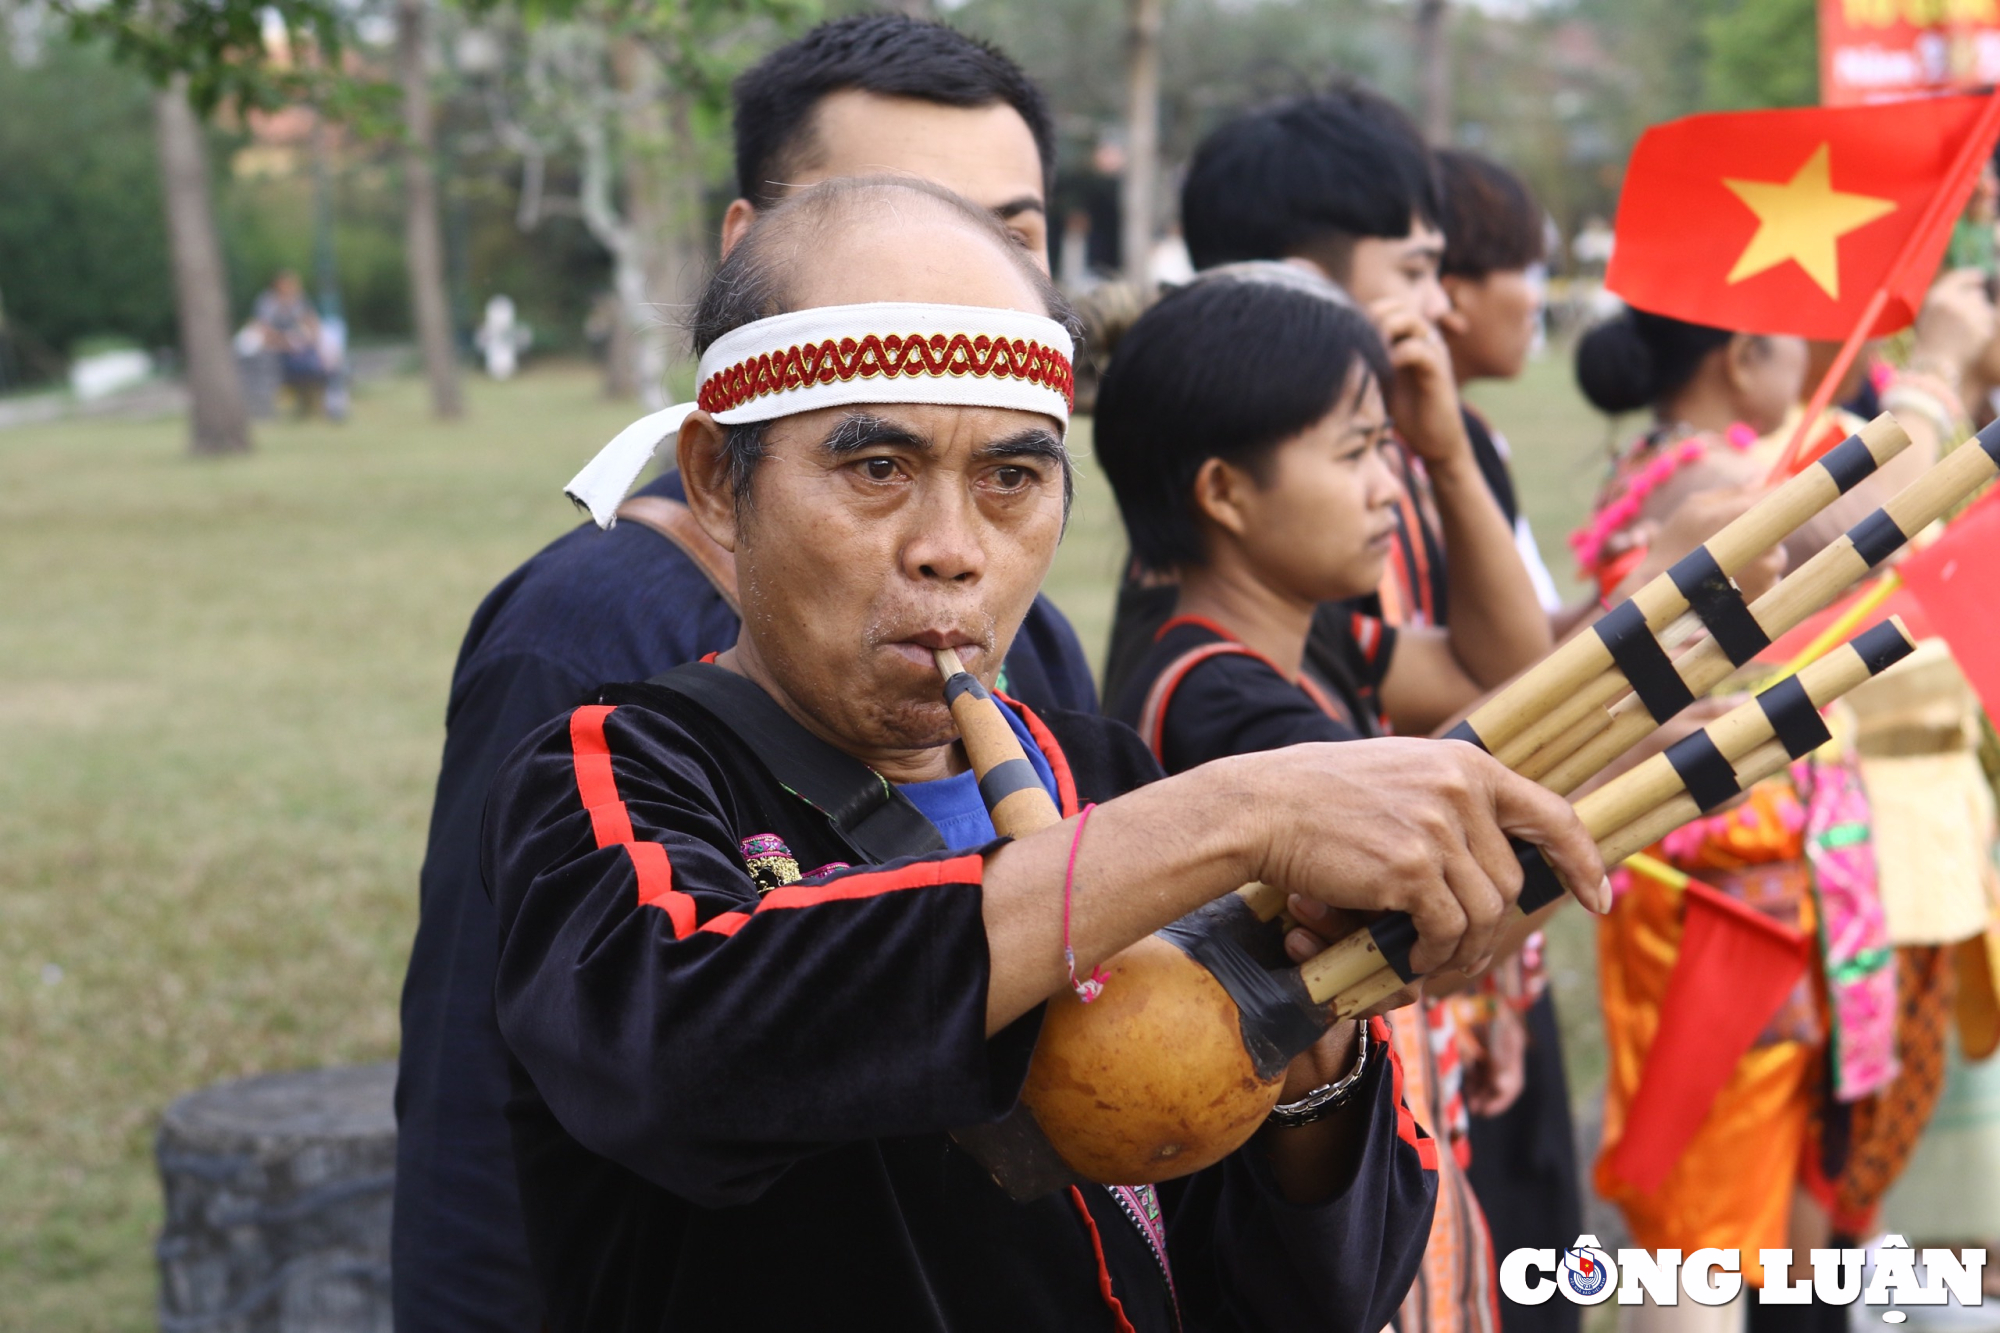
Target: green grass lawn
column 222, row 691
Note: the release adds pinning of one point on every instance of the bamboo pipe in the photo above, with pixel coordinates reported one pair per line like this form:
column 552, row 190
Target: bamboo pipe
column 1026, row 808
column 1760, row 762
column 1567, row 683
column 1171, row 1069
column 1812, row 586
column 1633, row 800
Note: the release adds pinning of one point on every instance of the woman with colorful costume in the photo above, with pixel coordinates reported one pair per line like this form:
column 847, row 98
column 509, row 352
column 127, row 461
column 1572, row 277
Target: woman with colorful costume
column 1771, row 904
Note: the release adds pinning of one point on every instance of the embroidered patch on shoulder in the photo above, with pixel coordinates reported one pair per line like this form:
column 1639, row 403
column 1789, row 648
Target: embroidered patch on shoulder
column 769, row 861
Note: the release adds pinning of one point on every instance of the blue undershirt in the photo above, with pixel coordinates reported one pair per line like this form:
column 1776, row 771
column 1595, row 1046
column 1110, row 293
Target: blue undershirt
column 952, row 804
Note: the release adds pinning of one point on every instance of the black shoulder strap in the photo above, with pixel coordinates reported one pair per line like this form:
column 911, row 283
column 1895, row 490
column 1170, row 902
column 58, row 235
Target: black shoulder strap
column 877, row 820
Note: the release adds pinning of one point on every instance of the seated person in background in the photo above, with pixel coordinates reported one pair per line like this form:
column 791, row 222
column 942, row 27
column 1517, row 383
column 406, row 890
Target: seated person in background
column 1280, row 494
column 739, row 1041
column 290, row 329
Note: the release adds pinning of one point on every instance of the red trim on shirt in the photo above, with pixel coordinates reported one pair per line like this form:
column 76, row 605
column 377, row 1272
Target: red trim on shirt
column 1153, row 714
column 1407, row 1128
column 1111, row 1301
column 1045, row 741
column 1202, row 621
column 611, row 822
column 862, row 884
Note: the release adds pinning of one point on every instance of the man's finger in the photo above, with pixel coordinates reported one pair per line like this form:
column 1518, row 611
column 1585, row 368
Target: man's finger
column 1484, row 907
column 1532, row 812
column 1440, row 921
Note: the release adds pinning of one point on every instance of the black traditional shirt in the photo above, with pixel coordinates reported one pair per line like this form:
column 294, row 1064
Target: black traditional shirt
column 1200, row 694
column 733, row 1087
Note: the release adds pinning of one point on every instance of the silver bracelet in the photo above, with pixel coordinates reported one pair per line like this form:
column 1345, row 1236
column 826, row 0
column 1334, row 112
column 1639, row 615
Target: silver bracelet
column 1327, row 1098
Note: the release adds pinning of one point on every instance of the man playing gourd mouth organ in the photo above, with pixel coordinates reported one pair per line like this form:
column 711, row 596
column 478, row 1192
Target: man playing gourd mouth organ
column 743, row 1025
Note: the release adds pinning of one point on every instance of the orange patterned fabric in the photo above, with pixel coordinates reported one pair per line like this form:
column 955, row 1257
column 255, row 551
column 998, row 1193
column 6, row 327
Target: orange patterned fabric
column 828, row 362
column 1887, row 1124
column 1456, row 1286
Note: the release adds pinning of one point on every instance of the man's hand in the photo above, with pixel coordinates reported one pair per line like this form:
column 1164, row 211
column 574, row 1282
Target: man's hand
column 1497, row 1070
column 1423, row 398
column 1410, row 825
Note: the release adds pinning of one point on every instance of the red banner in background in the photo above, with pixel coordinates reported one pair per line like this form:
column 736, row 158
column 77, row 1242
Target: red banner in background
column 1887, row 50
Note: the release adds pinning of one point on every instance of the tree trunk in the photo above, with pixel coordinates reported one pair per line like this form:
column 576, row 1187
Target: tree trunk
column 1434, row 68
column 657, row 276
column 277, row 1200
column 219, row 420
column 1138, row 196
column 423, row 240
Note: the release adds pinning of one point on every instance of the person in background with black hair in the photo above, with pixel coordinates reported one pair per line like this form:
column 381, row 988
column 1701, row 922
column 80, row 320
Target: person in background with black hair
column 1219, row 437
column 1524, row 1166
column 1713, row 394
column 864, row 95
column 1339, row 183
column 1241, row 422
column 1495, row 241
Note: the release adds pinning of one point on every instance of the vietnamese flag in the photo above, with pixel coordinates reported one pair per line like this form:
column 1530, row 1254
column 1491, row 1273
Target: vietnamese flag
column 1734, row 968
column 1957, row 580
column 1790, row 221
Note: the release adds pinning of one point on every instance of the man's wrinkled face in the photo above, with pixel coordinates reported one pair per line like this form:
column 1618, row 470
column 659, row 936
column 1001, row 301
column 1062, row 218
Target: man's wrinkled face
column 874, row 535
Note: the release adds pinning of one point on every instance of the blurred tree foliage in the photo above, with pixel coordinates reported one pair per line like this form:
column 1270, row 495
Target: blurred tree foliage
column 1558, row 90
column 83, row 242
column 1761, row 53
column 83, row 245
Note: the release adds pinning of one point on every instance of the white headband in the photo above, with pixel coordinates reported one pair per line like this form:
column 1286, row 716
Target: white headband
column 884, row 352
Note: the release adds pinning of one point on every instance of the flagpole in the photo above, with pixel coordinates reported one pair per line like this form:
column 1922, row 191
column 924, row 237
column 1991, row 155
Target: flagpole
column 1958, row 184
column 1835, row 373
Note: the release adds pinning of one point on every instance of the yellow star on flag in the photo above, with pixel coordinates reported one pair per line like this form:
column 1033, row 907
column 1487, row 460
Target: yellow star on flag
column 1802, row 219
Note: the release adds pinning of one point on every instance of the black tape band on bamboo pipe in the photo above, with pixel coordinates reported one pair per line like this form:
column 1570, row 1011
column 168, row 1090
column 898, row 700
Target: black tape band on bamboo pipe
column 1701, row 761
column 1849, row 463
column 964, row 682
column 1714, row 597
column 1795, row 719
column 1708, row 777
column 1645, row 664
column 1464, row 732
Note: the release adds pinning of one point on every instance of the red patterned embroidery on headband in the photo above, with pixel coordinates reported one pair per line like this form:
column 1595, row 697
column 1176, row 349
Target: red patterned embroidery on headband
column 827, row 362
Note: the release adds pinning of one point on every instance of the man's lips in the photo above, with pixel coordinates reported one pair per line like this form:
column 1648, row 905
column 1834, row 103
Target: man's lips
column 934, row 639
column 920, row 649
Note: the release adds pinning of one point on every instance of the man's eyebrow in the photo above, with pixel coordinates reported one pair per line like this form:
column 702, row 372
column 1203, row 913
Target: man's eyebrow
column 1013, row 208
column 1033, row 442
column 860, row 431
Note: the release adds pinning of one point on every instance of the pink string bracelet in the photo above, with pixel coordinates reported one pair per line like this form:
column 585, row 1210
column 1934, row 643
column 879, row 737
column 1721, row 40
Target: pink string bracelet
column 1089, row 989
